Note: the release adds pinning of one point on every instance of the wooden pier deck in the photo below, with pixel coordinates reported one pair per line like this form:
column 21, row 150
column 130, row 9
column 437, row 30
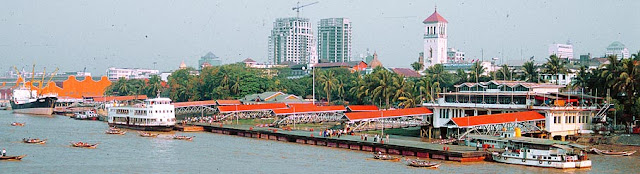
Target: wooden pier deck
column 394, row 146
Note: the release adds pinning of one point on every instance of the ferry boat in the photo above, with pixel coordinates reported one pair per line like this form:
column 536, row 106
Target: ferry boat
column 153, row 115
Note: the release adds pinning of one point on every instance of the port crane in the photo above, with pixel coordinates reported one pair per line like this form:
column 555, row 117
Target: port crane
column 298, row 7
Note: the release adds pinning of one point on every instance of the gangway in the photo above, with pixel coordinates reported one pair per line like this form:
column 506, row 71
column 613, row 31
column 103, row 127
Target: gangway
column 309, row 114
column 601, row 116
column 494, row 124
column 398, row 118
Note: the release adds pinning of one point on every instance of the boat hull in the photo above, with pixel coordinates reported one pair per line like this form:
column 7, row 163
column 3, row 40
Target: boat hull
column 143, row 128
column 535, row 162
column 42, row 106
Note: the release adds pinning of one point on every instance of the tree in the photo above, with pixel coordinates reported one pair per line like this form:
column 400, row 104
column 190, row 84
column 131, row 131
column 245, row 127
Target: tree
column 636, row 56
column 476, row 71
column 462, row 76
column 328, row 82
column 382, row 85
column 154, row 85
column 627, row 83
column 417, row 66
column 582, row 78
column 530, row 72
column 505, row 72
column 554, row 66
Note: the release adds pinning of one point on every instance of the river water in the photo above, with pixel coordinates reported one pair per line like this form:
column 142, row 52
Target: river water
column 212, row 153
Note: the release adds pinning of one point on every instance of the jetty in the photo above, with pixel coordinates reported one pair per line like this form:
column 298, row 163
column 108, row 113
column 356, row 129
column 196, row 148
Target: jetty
column 310, row 137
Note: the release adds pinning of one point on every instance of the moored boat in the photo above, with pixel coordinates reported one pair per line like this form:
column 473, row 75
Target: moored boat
column 86, row 115
column 612, row 153
column 182, row 137
column 34, row 141
column 84, row 145
column 381, row 156
column 12, row 158
column 146, row 134
column 422, row 163
column 17, row 124
column 153, row 115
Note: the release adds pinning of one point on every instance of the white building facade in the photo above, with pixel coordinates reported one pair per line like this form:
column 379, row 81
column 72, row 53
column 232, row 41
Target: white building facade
column 130, row 73
column 455, row 56
column 435, row 40
column 563, row 51
column 618, row 49
column 292, row 40
column 334, row 39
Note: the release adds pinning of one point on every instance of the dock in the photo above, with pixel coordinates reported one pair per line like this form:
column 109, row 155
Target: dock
column 394, row 146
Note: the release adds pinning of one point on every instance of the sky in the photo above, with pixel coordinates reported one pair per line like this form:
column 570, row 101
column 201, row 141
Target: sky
column 98, row 34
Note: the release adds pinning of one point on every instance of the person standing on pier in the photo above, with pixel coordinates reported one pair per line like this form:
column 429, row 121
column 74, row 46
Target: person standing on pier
column 387, row 138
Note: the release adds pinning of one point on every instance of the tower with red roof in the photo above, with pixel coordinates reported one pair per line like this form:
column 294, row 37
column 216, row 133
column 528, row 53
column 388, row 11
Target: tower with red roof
column 435, row 40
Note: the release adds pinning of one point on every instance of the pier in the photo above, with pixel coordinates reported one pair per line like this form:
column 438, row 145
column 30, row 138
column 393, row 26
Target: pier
column 394, row 146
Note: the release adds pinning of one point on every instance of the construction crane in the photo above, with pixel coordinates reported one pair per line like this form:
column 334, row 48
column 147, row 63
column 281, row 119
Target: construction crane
column 298, row 7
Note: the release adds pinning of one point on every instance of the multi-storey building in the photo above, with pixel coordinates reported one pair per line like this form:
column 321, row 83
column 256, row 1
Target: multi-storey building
column 130, row 73
column 565, row 114
column 618, row 49
column 292, row 40
column 455, row 56
column 334, row 39
column 209, row 59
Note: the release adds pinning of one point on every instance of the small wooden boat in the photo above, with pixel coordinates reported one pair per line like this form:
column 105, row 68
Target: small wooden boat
column 612, row 153
column 12, row 158
column 146, row 134
column 17, row 124
column 86, row 115
column 422, row 163
column 385, row 157
column 115, row 132
column 84, row 145
column 181, row 137
column 34, row 141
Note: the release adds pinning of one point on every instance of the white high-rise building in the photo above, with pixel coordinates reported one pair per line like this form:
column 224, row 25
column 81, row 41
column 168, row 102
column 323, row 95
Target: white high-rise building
column 618, row 49
column 127, row 73
column 334, row 39
column 435, row 40
column 563, row 51
column 292, row 40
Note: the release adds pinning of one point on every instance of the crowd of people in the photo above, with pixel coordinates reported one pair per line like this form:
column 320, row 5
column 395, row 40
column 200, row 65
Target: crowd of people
column 335, row 132
column 205, row 119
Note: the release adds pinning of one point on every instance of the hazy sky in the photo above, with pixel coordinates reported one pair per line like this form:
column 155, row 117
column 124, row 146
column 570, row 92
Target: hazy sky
column 95, row 34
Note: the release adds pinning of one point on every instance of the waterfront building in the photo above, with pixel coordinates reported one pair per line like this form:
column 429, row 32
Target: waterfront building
column 565, row 114
column 435, row 40
column 406, row 72
column 272, row 97
column 209, row 59
column 618, row 49
column 334, row 39
column 455, row 56
column 560, row 79
column 130, row 73
column 563, row 51
column 292, row 40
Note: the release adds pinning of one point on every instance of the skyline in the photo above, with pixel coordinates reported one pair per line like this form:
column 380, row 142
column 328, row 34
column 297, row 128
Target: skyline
column 106, row 34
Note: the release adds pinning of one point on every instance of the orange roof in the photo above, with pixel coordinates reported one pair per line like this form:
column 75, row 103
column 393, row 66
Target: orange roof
column 313, row 109
column 357, row 116
column 119, row 98
column 360, row 108
column 256, row 107
column 301, row 105
column 228, row 102
column 497, row 118
column 194, row 103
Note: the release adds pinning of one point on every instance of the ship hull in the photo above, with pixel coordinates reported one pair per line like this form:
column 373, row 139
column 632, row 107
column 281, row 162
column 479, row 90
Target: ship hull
column 42, row 106
column 143, row 128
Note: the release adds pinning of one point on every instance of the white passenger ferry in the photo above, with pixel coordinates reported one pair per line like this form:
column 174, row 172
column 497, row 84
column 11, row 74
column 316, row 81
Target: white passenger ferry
column 153, row 115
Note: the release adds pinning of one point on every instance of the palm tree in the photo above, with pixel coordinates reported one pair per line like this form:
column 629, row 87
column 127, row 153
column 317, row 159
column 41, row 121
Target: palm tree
column 403, row 92
column 554, row 66
column 328, row 82
column 154, row 85
column 582, row 78
column 627, row 83
column 636, row 56
column 610, row 71
column 505, row 71
column 384, row 86
column 417, row 66
column 462, row 76
column 476, row 71
column 340, row 89
column 530, row 72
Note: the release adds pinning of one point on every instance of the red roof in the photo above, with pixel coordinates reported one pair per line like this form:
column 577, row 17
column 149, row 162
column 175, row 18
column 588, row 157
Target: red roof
column 228, row 102
column 406, row 72
column 435, row 17
column 357, row 116
column 194, row 103
column 360, row 108
column 497, row 118
column 256, row 107
column 309, row 110
column 247, row 60
column 119, row 98
column 301, row 105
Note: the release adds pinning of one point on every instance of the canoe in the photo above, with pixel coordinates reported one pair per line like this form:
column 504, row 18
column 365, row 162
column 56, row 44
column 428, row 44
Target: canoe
column 420, row 163
column 612, row 153
column 17, row 124
column 183, row 138
column 115, row 132
column 12, row 158
column 385, row 157
column 84, row 145
column 146, row 134
column 34, row 141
